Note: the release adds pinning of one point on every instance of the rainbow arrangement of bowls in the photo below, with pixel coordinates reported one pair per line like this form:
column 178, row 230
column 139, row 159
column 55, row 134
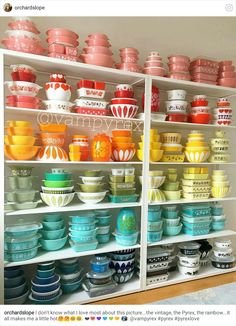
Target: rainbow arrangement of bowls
column 57, row 189
column 220, row 184
column 155, row 147
column 46, row 286
column 196, row 149
column 15, row 286
column 70, row 274
column 171, row 145
column 19, row 141
column 219, row 148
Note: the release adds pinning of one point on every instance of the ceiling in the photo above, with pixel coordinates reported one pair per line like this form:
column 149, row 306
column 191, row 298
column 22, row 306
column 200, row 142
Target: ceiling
column 212, row 37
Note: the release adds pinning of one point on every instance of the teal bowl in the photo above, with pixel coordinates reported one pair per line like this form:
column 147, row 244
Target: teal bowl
column 53, row 234
column 83, row 226
column 52, row 217
column 170, row 214
column 80, row 233
column 57, row 176
column 45, row 273
column 83, row 238
column 103, row 238
column 103, row 220
column 126, row 240
column 218, row 225
column 69, row 268
column 102, row 212
column 52, row 226
column 46, row 266
column 46, row 301
column 154, row 215
column 83, row 218
column 154, row 236
column 172, row 230
column 51, row 245
column 71, row 287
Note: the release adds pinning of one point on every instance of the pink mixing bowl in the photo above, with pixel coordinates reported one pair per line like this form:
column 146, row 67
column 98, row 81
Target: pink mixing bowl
column 98, row 36
column 66, row 40
column 176, row 67
column 98, row 49
column 98, row 59
column 62, row 32
column 133, row 67
column 155, row 71
column 179, row 59
column 153, row 63
column 98, row 42
column 180, row 76
column 24, row 25
column 226, row 68
column 129, row 50
column 23, row 44
column 227, row 74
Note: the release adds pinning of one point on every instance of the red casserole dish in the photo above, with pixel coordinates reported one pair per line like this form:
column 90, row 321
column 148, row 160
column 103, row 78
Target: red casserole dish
column 175, row 117
column 21, row 98
column 23, row 76
column 99, row 85
column 83, row 83
column 91, row 111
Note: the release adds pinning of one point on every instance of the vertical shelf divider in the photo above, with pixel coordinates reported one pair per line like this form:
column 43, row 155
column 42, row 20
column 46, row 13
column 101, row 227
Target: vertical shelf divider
column 145, row 173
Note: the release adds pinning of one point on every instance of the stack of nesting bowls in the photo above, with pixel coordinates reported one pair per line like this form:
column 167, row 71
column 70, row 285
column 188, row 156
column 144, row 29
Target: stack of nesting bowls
column 171, row 145
column 21, row 241
column 122, row 185
column 223, row 113
column 103, row 218
column 226, row 74
column 123, row 146
column 155, row 152
column 196, row 219
column 21, row 196
column 172, row 225
column 91, row 189
column 155, row 181
column 155, row 224
column 196, row 149
column 220, row 184
column 154, row 65
column 220, row 148
column 15, row 287
column 99, row 280
column 173, row 259
column 129, row 60
column 58, row 188
column 83, row 231
column 70, row 273
column 46, row 287
column 218, row 217
column 189, row 260
column 53, row 232
column 223, row 257
column 124, row 265
column 195, row 183
column 200, row 111
column 176, row 106
column 126, row 233
column 179, row 67
column 171, row 185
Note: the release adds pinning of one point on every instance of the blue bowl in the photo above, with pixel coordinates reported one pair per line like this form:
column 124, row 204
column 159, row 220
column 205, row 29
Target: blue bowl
column 83, row 226
column 45, row 280
column 45, row 273
column 103, row 220
column 54, row 234
column 13, row 281
column 103, row 238
column 172, row 230
column 51, row 245
column 14, row 292
column 52, row 300
column 218, row 225
column 126, row 240
column 52, row 226
column 122, row 257
column 46, row 295
column 52, row 217
column 170, row 214
column 71, row 287
column 100, row 264
column 46, row 288
column 83, row 218
column 69, row 268
column 154, row 236
column 12, row 271
column 154, row 215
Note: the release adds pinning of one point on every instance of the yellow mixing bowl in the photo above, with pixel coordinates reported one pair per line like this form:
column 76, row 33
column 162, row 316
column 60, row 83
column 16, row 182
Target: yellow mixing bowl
column 14, row 123
column 19, row 140
column 21, row 152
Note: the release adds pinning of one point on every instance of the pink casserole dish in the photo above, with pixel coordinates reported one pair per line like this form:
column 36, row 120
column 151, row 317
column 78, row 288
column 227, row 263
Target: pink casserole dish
column 227, row 74
column 24, row 25
column 226, row 68
column 201, row 75
column 204, row 69
column 98, row 49
column 204, row 62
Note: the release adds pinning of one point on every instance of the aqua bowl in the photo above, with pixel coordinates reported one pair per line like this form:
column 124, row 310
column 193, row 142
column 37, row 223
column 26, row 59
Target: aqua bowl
column 53, row 234
column 103, row 238
column 57, row 176
column 218, row 225
column 89, row 233
column 103, row 220
column 21, row 255
column 102, row 212
column 52, row 226
column 154, row 226
column 154, row 236
column 83, row 218
column 126, row 240
column 51, row 245
column 46, row 266
column 83, row 238
column 170, row 214
column 217, row 210
column 69, row 287
column 69, row 268
column 83, row 226
column 15, row 244
column 45, row 273
column 52, row 217
column 172, row 230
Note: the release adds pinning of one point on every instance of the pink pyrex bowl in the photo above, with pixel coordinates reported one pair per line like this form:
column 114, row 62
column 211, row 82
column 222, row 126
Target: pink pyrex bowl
column 129, row 50
column 133, row 67
column 155, row 71
column 129, row 59
column 97, row 42
column 62, row 32
column 180, row 76
column 24, row 25
column 23, row 44
column 178, row 59
column 226, row 68
column 227, row 82
column 153, row 64
column 98, row 59
column 66, row 40
column 98, row 49
column 175, row 67
column 98, row 36
column 227, row 74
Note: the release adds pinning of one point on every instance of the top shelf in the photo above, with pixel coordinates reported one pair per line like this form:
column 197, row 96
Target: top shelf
column 78, row 70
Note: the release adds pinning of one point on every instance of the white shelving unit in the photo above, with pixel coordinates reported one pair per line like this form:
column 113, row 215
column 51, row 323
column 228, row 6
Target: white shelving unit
column 75, row 71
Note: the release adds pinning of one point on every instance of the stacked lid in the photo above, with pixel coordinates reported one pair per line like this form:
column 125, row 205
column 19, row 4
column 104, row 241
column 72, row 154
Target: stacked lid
column 83, row 231
column 220, row 184
column 222, row 256
column 46, row 287
column 171, row 145
column 154, row 65
column 179, row 67
column 23, row 36
column 99, row 280
column 15, row 286
column 226, row 75
column 196, row 183
column 123, row 262
column 196, row 219
column 91, row 98
column 124, row 105
column 189, row 258
column 176, row 106
column 71, row 274
column 222, row 113
column 97, row 51
column 58, row 93
column 204, row 71
column 62, row 43
column 129, row 60
column 219, row 148
column 196, row 149
column 218, row 217
column 200, row 111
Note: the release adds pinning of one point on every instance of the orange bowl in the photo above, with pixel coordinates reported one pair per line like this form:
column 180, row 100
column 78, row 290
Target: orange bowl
column 19, row 131
column 52, row 139
column 20, row 152
column 54, row 127
column 121, row 133
column 121, row 139
column 123, row 146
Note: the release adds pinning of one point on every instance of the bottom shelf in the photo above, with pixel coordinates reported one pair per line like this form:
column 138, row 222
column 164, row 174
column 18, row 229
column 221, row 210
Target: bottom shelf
column 176, row 277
